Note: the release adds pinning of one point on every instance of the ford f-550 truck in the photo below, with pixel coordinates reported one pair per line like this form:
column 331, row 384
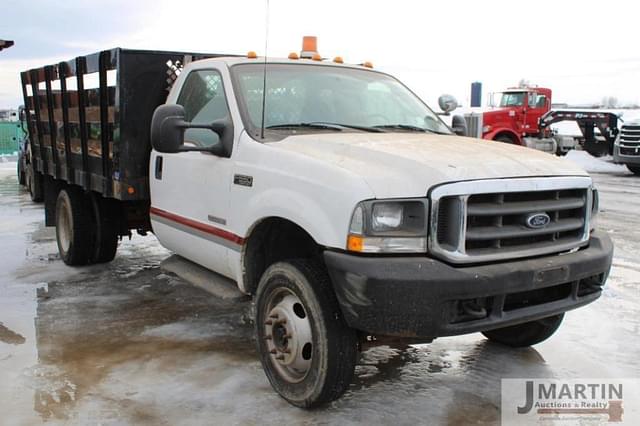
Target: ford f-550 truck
column 330, row 192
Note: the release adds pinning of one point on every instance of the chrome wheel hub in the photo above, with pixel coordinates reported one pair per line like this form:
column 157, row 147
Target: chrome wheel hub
column 288, row 336
column 64, row 228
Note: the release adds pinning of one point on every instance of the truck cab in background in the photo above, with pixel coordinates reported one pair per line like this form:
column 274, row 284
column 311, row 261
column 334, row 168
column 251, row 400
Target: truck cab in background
column 515, row 118
column 517, row 115
column 627, row 146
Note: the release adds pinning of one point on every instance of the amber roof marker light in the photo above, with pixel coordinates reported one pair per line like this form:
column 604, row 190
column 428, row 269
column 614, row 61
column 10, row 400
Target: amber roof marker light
column 309, row 47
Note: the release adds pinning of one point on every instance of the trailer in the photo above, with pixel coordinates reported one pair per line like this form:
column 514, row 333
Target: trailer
column 88, row 121
column 588, row 121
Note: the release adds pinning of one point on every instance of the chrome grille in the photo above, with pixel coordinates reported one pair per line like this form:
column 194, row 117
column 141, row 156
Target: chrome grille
column 474, row 125
column 630, row 140
column 481, row 221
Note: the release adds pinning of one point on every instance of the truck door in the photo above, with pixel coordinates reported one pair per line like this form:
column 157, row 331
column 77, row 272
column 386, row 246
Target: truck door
column 536, row 107
column 190, row 190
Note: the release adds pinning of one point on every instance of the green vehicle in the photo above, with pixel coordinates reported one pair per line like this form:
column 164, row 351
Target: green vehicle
column 14, row 141
column 10, row 135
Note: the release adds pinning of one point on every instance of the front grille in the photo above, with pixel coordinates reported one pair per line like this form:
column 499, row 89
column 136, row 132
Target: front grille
column 474, row 125
column 630, row 140
column 487, row 220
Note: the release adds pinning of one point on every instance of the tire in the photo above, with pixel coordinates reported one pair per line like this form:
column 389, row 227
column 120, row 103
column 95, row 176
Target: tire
column 105, row 222
column 634, row 169
column 73, row 227
column 322, row 349
column 21, row 177
column 36, row 186
column 504, row 139
column 527, row 334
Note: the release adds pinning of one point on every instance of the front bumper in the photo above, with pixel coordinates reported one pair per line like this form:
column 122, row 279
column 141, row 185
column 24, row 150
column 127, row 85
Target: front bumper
column 425, row 298
column 624, row 159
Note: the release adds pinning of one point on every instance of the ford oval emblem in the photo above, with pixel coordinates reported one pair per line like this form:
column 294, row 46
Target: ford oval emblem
column 537, row 220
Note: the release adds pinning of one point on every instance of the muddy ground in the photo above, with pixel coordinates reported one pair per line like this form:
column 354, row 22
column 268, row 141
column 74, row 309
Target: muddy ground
column 129, row 343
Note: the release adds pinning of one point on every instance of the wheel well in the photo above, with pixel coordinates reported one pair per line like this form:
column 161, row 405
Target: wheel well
column 503, row 136
column 272, row 240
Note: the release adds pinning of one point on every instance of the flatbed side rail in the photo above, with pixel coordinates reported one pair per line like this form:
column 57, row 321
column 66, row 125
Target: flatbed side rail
column 89, row 118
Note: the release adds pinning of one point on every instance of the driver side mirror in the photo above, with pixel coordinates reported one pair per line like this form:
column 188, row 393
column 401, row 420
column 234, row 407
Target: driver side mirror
column 168, row 126
column 447, row 103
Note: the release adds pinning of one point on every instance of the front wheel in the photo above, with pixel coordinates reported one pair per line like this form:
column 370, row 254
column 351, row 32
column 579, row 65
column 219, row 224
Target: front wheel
column 526, row 334
column 634, row 169
column 307, row 350
column 505, row 139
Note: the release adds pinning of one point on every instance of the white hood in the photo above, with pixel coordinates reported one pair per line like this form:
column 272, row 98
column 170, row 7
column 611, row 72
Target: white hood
column 408, row 164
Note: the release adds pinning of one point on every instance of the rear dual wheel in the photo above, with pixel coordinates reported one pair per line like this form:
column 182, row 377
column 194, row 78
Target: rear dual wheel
column 86, row 227
column 35, row 184
column 307, row 350
column 22, row 180
column 73, row 227
column 105, row 221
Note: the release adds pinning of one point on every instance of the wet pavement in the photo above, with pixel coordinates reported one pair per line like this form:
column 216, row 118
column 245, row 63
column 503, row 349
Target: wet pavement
column 127, row 343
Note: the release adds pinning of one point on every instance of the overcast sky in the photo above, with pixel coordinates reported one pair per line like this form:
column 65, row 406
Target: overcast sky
column 583, row 50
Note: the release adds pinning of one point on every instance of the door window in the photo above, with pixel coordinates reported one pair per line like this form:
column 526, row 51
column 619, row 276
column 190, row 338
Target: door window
column 204, row 101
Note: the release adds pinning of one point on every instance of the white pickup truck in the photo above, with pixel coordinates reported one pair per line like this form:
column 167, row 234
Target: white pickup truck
column 342, row 203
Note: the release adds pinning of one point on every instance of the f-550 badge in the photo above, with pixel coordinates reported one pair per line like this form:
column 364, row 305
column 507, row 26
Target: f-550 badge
column 243, row 180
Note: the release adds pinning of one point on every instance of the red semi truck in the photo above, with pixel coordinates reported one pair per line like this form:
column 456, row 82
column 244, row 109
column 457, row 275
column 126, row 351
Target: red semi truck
column 523, row 116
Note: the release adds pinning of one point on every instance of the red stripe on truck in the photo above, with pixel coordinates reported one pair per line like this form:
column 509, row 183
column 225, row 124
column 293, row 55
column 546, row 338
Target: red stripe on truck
column 229, row 236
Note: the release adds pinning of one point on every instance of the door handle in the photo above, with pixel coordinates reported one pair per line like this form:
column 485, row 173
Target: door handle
column 159, row 167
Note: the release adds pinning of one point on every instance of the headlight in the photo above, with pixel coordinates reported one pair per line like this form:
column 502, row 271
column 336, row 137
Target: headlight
column 386, row 216
column 389, row 227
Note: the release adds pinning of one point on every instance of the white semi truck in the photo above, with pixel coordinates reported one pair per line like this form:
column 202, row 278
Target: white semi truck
column 330, row 192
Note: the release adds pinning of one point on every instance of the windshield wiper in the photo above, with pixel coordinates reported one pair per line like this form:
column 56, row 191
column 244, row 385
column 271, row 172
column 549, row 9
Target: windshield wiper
column 408, row 127
column 324, row 125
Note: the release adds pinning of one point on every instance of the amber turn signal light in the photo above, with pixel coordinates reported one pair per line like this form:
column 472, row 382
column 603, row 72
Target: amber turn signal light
column 355, row 243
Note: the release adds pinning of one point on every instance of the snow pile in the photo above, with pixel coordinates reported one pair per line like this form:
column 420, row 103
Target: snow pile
column 593, row 164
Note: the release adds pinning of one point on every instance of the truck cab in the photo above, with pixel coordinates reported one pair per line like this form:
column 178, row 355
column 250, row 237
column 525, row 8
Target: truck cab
column 347, row 208
column 517, row 114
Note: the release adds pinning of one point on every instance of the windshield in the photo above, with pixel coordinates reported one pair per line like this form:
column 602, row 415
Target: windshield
column 343, row 99
column 512, row 99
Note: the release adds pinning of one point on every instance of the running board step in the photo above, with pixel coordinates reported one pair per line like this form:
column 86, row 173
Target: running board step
column 199, row 276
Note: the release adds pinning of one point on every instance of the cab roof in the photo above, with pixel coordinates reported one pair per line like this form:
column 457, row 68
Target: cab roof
column 235, row 60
